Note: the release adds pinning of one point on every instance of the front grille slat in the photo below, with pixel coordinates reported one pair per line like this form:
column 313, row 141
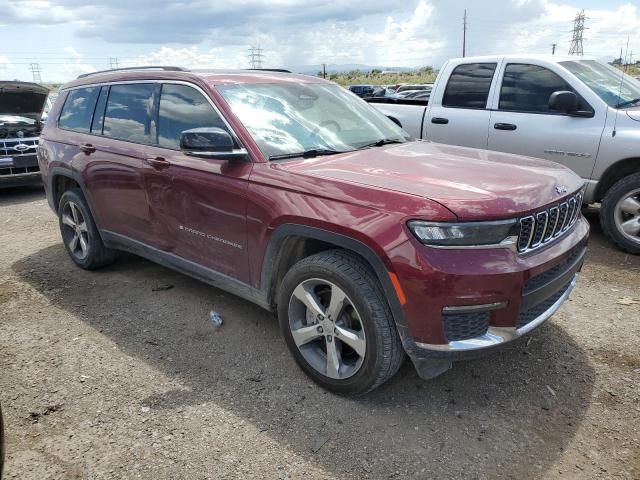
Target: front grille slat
column 543, row 227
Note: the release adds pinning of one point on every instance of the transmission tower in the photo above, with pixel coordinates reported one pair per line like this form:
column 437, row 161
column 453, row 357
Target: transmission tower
column 35, row 71
column 578, row 30
column 113, row 62
column 255, row 57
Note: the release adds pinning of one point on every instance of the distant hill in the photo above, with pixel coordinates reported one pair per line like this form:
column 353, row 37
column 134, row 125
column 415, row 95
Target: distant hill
column 348, row 67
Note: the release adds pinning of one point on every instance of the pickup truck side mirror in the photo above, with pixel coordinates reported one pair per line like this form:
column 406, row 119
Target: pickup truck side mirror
column 564, row 101
column 210, row 142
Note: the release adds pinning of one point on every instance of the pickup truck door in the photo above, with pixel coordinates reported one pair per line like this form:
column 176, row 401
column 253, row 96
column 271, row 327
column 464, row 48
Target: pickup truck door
column 197, row 205
column 522, row 123
column 457, row 112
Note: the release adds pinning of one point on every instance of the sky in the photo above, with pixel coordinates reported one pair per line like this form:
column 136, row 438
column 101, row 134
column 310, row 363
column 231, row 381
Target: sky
column 69, row 37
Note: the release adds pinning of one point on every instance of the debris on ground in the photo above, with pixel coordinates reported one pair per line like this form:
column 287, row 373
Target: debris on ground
column 215, row 318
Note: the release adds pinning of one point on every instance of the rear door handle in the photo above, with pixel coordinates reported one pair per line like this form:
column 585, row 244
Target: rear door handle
column 505, row 126
column 87, row 148
column 440, row 120
column 158, row 162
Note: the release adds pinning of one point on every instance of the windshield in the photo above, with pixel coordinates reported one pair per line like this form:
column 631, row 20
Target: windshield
column 610, row 84
column 289, row 118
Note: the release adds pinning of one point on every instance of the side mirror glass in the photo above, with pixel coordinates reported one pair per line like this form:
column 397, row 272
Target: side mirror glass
column 209, row 142
column 563, row 101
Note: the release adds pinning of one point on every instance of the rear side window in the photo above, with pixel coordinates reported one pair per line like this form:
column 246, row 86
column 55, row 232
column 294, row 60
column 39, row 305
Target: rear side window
column 77, row 111
column 527, row 88
column 183, row 108
column 469, row 86
column 129, row 113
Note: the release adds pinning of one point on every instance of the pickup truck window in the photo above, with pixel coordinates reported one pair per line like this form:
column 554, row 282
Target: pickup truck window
column 527, row 88
column 129, row 114
column 469, row 86
column 286, row 118
column 183, row 108
column 611, row 85
column 78, row 109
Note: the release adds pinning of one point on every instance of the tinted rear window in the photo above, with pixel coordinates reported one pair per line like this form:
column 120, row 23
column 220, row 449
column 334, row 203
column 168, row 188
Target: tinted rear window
column 129, row 114
column 77, row 111
column 469, row 86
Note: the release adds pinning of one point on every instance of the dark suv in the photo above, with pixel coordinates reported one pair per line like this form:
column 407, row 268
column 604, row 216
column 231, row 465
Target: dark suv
column 296, row 195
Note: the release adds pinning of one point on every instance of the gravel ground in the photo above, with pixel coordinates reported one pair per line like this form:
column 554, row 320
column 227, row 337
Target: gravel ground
column 119, row 373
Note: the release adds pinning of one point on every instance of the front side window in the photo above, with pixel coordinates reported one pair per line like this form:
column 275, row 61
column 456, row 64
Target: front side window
column 183, row 108
column 77, row 111
column 129, row 113
column 469, row 86
column 287, row 118
column 527, row 88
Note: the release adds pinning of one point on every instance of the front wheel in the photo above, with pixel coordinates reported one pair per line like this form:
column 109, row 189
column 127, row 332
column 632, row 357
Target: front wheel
column 620, row 213
column 337, row 323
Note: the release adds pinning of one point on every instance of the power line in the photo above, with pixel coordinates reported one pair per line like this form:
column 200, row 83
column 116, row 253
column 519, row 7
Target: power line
column 578, row 30
column 255, row 57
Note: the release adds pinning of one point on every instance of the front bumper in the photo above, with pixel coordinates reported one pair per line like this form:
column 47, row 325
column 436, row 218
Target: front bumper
column 19, row 170
column 464, row 304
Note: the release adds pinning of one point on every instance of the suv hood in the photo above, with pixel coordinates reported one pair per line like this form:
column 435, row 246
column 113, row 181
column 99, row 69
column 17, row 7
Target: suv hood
column 22, row 99
column 474, row 184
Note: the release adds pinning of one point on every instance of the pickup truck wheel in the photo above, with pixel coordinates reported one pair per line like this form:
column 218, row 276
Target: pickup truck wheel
column 337, row 323
column 620, row 213
column 79, row 233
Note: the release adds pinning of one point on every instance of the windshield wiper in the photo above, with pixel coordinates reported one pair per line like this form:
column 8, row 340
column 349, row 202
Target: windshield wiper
column 381, row 142
column 311, row 153
column 630, row 102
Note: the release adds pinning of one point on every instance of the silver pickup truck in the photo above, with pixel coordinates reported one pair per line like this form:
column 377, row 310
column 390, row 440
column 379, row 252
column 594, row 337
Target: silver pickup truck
column 575, row 111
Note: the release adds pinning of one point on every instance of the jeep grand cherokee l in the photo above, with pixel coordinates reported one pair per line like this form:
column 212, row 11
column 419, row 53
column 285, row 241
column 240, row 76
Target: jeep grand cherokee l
column 292, row 193
column 21, row 106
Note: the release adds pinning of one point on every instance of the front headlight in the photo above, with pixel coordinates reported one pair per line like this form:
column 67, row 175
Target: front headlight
column 466, row 234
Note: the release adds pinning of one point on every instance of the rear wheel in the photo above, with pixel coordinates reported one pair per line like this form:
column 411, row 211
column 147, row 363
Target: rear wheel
column 337, row 323
column 79, row 233
column 620, row 213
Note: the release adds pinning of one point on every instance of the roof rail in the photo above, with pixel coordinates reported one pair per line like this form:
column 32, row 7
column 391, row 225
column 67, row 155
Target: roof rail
column 124, row 69
column 281, row 70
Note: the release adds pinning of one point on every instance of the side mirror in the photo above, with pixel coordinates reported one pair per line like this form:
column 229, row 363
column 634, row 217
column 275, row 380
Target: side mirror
column 563, row 101
column 210, row 142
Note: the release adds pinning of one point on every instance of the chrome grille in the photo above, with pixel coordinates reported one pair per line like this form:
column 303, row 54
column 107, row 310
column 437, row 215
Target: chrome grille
column 544, row 226
column 25, row 146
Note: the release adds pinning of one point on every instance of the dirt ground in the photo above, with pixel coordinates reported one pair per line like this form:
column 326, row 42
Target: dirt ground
column 112, row 374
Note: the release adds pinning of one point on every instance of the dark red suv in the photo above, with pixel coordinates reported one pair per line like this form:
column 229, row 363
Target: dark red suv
column 293, row 193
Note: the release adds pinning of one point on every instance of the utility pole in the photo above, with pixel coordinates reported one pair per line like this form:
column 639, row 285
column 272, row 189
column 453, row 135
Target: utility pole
column 113, row 62
column 578, row 30
column 35, row 71
column 553, row 49
column 255, row 57
column 324, row 70
column 464, row 34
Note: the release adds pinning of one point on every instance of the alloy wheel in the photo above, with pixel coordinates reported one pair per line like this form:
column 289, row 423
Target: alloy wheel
column 327, row 328
column 627, row 215
column 75, row 231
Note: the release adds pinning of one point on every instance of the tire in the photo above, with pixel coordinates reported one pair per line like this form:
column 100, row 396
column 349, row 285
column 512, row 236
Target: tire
column 364, row 336
column 75, row 220
column 619, row 207
column 1, row 443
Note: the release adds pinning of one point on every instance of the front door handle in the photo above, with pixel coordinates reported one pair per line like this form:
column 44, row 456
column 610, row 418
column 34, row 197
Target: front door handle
column 505, row 126
column 87, row 148
column 440, row 120
column 158, row 162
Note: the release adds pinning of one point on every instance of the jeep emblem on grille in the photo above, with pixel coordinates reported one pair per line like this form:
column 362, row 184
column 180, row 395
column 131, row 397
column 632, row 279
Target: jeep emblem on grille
column 560, row 189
